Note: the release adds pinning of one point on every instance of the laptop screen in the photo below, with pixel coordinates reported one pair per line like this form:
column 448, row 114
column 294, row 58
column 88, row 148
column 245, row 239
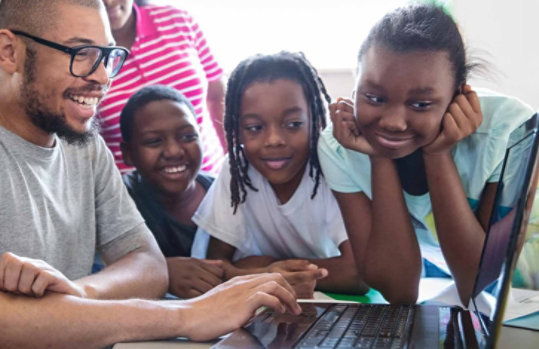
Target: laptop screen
column 508, row 219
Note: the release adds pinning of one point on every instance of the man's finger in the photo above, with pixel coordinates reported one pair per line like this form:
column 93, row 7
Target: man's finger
column 12, row 275
column 284, row 296
column 26, row 280
column 41, row 283
column 275, row 277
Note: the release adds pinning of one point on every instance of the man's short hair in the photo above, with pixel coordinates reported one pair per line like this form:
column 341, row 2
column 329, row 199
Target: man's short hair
column 35, row 16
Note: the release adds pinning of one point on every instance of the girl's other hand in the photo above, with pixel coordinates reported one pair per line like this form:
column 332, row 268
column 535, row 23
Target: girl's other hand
column 301, row 274
column 345, row 129
column 462, row 118
column 192, row 277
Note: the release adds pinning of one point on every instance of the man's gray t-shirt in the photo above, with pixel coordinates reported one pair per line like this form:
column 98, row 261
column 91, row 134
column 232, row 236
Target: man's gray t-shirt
column 60, row 204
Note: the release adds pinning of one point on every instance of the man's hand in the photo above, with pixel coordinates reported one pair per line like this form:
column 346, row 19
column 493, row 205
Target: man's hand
column 192, row 277
column 301, row 274
column 33, row 277
column 345, row 128
column 230, row 305
column 462, row 118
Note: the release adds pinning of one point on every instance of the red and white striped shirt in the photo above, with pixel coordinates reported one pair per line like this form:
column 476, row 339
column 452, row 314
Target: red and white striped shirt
column 169, row 49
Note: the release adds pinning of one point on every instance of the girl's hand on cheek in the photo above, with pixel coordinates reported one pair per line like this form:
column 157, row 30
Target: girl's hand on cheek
column 462, row 118
column 345, row 129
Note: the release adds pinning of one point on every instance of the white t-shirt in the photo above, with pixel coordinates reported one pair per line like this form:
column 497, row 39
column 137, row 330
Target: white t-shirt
column 300, row 228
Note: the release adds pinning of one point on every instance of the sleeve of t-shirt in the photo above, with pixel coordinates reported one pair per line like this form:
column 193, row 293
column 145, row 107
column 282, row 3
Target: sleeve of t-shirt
column 337, row 171
column 116, row 214
column 501, row 115
column 336, row 228
column 215, row 215
column 209, row 63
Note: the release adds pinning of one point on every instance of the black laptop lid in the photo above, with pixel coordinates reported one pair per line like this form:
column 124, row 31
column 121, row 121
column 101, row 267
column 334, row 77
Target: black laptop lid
column 508, row 221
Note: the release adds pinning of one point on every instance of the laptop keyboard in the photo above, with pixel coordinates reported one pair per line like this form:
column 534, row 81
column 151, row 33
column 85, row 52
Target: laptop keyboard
column 360, row 326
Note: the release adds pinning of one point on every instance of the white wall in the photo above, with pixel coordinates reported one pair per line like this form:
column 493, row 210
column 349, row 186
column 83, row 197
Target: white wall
column 503, row 32
column 506, row 33
column 329, row 32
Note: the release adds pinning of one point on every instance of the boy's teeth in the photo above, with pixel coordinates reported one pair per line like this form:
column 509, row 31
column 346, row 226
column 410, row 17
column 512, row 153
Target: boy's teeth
column 175, row 169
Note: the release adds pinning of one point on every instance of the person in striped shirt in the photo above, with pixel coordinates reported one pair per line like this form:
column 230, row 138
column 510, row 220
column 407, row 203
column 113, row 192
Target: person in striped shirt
column 166, row 47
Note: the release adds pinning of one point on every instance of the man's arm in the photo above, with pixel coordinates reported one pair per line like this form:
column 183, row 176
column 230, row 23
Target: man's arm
column 64, row 321
column 135, row 268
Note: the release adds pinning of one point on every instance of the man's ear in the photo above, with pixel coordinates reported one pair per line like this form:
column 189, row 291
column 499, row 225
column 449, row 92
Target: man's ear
column 126, row 153
column 8, row 51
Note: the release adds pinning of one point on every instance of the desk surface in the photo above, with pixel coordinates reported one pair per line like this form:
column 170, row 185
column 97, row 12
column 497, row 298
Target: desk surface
column 509, row 338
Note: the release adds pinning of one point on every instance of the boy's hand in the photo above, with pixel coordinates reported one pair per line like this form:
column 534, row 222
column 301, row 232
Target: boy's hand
column 191, row 277
column 301, row 274
column 345, row 129
column 33, row 277
column 233, row 303
column 462, row 118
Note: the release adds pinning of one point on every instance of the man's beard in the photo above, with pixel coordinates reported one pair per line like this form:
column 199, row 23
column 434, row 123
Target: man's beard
column 43, row 118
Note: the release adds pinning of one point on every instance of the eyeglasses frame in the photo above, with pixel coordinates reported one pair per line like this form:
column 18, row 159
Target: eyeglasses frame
column 72, row 51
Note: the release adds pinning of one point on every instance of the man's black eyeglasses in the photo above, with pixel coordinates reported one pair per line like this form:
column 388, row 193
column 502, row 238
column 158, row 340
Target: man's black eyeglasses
column 86, row 58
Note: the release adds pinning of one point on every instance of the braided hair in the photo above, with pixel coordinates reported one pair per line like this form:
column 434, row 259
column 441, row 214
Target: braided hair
column 268, row 68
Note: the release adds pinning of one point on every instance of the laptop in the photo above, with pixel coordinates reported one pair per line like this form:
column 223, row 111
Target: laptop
column 354, row 325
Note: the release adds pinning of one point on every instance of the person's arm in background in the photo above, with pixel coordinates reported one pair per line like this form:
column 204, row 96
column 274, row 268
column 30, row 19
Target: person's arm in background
column 386, row 250
column 343, row 276
column 191, row 277
column 65, row 321
column 300, row 273
column 461, row 240
column 135, row 268
column 215, row 101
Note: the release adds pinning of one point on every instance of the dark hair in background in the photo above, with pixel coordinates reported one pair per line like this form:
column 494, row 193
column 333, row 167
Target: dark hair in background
column 144, row 96
column 421, row 28
column 268, row 68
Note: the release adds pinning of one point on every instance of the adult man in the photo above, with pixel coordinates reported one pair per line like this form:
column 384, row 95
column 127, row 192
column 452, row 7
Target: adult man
column 61, row 198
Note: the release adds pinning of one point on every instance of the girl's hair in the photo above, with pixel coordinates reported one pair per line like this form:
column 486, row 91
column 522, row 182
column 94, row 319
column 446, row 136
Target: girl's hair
column 143, row 97
column 421, row 28
column 268, row 68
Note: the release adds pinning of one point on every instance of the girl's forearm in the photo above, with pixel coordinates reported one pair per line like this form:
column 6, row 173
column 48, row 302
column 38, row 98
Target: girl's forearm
column 460, row 234
column 393, row 259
